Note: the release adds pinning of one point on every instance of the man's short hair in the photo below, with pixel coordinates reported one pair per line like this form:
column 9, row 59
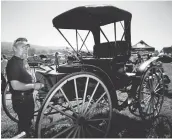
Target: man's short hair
column 21, row 41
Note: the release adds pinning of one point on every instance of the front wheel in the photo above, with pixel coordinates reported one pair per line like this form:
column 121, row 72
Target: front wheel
column 78, row 106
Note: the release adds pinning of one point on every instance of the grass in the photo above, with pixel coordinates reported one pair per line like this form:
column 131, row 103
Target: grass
column 124, row 124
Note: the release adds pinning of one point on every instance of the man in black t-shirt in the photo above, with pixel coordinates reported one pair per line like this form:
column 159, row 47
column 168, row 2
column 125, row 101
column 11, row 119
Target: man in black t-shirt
column 21, row 85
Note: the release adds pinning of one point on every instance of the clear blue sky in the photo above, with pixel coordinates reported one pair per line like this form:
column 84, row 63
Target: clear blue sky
column 151, row 21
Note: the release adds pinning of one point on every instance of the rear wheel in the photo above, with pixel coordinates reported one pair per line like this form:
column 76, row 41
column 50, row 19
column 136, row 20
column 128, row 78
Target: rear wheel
column 7, row 104
column 151, row 93
column 78, row 106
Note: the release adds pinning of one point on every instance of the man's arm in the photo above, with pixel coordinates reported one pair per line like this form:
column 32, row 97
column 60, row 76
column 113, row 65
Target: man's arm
column 17, row 85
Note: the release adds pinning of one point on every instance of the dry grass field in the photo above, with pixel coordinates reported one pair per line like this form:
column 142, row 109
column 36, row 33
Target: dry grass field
column 124, row 124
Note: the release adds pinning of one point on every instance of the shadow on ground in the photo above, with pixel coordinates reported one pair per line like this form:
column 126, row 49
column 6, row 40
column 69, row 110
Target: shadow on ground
column 169, row 93
column 127, row 127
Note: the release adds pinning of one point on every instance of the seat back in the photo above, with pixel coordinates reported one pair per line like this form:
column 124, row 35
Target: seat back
column 112, row 50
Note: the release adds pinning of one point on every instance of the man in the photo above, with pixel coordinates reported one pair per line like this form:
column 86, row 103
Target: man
column 4, row 62
column 56, row 62
column 21, row 85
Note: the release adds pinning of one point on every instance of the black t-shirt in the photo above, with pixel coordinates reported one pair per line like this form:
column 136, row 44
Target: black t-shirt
column 16, row 71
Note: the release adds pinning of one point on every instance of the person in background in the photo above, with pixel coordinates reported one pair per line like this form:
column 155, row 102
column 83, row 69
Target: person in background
column 21, row 85
column 56, row 62
column 149, row 56
column 4, row 62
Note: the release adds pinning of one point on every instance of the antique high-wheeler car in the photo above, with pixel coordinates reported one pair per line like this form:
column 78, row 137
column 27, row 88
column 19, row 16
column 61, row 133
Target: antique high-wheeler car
column 81, row 100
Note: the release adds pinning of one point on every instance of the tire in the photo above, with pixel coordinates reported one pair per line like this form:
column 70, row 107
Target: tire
column 79, row 105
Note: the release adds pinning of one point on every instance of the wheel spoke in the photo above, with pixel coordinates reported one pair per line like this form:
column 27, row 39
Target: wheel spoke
column 157, row 90
column 68, row 101
column 87, row 130
column 152, row 105
column 156, row 86
column 76, row 93
column 158, row 94
column 71, row 132
column 83, row 132
column 148, row 106
column 101, row 131
column 94, row 105
column 150, row 83
column 85, row 92
column 147, row 93
column 63, row 132
column 76, row 131
column 146, row 98
column 54, row 123
column 66, row 114
column 91, row 97
column 155, row 106
column 79, row 132
column 51, row 124
column 101, row 119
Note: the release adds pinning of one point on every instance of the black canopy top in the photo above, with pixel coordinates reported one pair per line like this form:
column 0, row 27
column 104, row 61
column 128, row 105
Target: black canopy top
column 89, row 17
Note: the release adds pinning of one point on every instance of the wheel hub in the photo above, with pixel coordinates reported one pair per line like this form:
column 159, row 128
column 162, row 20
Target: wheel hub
column 81, row 121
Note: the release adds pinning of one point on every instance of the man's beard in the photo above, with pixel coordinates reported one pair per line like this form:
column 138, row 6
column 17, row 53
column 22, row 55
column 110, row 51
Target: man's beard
column 25, row 56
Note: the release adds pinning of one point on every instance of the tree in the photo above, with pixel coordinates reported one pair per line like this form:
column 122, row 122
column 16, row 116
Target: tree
column 156, row 53
column 31, row 52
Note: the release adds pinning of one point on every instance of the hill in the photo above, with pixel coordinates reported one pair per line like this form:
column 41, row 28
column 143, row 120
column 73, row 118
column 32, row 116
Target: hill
column 6, row 48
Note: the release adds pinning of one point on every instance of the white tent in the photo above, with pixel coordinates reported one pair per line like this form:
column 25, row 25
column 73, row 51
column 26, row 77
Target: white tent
column 142, row 46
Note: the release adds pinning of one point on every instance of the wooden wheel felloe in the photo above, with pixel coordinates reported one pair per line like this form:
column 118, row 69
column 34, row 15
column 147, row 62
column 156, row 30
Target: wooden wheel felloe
column 78, row 106
column 7, row 104
column 151, row 92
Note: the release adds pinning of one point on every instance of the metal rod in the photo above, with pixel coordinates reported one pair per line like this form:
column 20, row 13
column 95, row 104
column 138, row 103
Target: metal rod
column 66, row 40
column 115, row 31
column 77, row 40
column 115, row 36
column 106, row 39
column 84, row 40
column 104, row 35
column 124, row 30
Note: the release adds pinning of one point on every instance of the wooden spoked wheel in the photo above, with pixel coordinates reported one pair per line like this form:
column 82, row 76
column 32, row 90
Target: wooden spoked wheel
column 151, row 93
column 78, row 106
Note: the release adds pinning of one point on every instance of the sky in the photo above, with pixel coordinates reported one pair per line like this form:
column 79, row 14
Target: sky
column 151, row 21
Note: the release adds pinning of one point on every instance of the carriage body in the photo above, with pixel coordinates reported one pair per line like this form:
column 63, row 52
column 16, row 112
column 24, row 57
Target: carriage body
column 108, row 57
column 89, row 83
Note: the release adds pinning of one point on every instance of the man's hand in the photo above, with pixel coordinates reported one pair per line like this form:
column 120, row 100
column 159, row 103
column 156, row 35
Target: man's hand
column 38, row 86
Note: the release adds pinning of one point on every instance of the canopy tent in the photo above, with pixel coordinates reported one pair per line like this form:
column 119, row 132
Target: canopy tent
column 142, row 46
column 167, row 50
